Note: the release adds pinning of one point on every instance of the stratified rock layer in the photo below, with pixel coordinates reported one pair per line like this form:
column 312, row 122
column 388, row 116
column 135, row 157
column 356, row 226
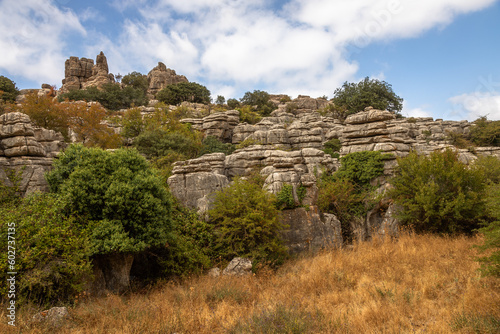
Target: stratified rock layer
column 26, row 151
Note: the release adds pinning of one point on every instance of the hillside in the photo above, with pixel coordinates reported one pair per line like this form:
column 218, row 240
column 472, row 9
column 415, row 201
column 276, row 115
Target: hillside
column 415, row 284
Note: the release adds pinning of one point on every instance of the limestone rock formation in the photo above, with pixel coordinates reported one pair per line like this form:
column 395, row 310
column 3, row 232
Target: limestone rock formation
column 219, row 124
column 80, row 73
column 26, row 150
column 161, row 76
column 308, row 231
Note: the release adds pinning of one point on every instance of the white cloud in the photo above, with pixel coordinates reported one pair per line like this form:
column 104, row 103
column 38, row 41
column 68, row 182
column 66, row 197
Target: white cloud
column 475, row 105
column 300, row 49
column 33, row 38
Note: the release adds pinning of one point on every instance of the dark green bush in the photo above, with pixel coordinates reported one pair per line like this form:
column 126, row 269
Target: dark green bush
column 158, row 143
column 51, row 250
column 184, row 91
column 249, row 115
column 438, row 193
column 285, row 198
column 355, row 97
column 260, row 100
column 485, row 133
column 246, row 223
column 111, row 96
column 136, row 80
column 8, row 90
column 213, row 145
column 362, row 167
column 119, row 192
column 332, row 147
column 233, row 103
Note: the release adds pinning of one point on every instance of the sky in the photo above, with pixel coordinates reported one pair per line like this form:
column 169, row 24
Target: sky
column 440, row 56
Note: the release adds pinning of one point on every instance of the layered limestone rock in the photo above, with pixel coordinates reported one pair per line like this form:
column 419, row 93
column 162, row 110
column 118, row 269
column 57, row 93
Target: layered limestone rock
column 218, row 124
column 80, row 73
column 26, row 151
column 161, row 76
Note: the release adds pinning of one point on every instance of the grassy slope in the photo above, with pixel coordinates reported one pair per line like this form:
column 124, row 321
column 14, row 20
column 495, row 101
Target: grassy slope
column 415, row 284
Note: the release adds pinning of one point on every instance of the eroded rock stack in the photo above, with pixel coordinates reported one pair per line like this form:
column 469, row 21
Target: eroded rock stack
column 161, row 76
column 27, row 151
column 80, row 73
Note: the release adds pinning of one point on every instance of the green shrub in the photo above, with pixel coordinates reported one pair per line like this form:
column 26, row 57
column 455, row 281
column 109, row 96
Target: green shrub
column 438, row 193
column 485, row 133
column 362, row 167
column 332, row 147
column 51, row 250
column 233, row 103
column 220, row 100
column 119, row 192
column 249, row 115
column 111, row 96
column 246, row 223
column 260, row 100
column 136, row 80
column 184, row 91
column 458, row 139
column 355, row 97
column 8, row 90
column 158, row 143
column 285, row 198
column 212, row 145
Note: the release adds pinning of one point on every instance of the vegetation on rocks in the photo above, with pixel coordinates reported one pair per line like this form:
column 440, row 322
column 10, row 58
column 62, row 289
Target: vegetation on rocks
column 355, row 97
column 184, row 91
column 8, row 90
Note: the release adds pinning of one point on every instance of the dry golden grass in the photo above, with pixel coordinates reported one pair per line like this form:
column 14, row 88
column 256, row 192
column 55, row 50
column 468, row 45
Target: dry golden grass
column 414, row 284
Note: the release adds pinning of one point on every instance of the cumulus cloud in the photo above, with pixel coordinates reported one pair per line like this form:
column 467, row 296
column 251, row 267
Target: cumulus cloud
column 33, row 37
column 475, row 105
column 299, row 48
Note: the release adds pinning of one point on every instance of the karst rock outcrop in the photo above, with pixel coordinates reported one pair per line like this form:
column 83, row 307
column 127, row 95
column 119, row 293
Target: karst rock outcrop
column 161, row 76
column 27, row 151
column 81, row 73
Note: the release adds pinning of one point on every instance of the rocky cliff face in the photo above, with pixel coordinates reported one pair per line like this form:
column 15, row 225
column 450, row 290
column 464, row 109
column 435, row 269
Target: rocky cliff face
column 289, row 151
column 80, row 73
column 26, row 150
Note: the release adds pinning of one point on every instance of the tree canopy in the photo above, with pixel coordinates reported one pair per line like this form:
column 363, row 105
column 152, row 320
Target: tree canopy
column 355, row 97
column 118, row 192
column 184, row 91
column 8, row 89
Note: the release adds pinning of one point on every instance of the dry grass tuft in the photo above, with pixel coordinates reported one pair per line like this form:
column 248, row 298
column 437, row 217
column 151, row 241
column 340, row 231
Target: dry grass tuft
column 413, row 284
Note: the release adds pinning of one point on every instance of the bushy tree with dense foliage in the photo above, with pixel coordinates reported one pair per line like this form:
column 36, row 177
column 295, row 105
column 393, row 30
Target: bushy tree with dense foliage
column 184, row 91
column 136, row 80
column 485, row 133
column 355, row 97
column 51, row 250
column 111, row 95
column 246, row 223
column 438, row 193
column 260, row 100
column 8, row 90
column 119, row 192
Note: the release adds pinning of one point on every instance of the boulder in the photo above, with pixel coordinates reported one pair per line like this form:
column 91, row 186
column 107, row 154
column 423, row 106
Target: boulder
column 238, row 267
column 53, row 317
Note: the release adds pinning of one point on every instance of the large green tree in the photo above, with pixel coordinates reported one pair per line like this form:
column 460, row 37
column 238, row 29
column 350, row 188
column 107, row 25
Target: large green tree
column 184, row 91
column 260, row 100
column 355, row 97
column 118, row 192
column 8, row 90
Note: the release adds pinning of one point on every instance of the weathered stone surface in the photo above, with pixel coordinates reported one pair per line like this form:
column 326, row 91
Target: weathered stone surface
column 370, row 115
column 53, row 317
column 308, row 231
column 81, row 73
column 27, row 151
column 161, row 76
column 238, row 267
column 214, row 272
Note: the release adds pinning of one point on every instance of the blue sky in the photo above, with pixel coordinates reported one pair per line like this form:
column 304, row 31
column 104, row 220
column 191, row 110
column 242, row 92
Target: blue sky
column 440, row 56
